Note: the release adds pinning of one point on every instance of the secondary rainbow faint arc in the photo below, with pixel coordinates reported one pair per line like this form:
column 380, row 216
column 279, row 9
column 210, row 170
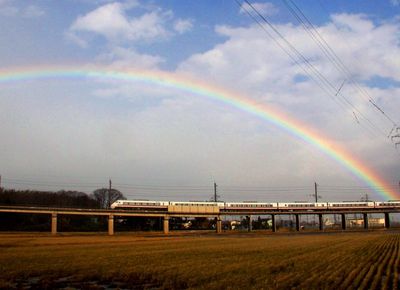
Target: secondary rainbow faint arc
column 290, row 125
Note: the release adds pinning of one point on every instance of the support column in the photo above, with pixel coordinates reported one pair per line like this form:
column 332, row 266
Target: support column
column 297, row 222
column 387, row 220
column 111, row 225
column 250, row 227
column 343, row 221
column 365, row 221
column 53, row 223
column 273, row 223
column 219, row 225
column 166, row 225
column 321, row 222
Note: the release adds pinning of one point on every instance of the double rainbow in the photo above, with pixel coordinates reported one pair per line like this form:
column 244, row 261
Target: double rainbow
column 196, row 87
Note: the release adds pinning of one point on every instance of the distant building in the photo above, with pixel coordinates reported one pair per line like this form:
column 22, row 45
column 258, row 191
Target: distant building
column 372, row 222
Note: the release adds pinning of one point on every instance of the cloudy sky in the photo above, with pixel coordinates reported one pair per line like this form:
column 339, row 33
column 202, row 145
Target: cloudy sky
column 331, row 65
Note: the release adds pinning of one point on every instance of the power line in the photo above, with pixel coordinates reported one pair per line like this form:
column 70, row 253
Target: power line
column 346, row 70
column 202, row 192
column 328, row 52
column 320, row 79
column 188, row 187
column 321, row 85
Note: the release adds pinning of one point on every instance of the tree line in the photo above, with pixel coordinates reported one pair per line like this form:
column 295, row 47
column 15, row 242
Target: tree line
column 99, row 198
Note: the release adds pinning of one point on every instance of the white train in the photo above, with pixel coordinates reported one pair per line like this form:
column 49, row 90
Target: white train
column 245, row 206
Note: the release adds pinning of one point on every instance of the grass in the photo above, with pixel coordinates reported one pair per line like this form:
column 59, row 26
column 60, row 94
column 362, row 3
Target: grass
column 363, row 260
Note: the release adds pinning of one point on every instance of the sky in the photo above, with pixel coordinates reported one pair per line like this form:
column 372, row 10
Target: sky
column 336, row 73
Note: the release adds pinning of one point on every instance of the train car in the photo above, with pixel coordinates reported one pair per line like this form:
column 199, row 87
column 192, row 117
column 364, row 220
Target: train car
column 351, row 204
column 195, row 206
column 140, row 204
column 240, row 206
column 302, row 205
column 387, row 204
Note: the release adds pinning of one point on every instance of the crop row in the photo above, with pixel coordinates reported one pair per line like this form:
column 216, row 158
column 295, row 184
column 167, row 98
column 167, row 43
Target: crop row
column 351, row 264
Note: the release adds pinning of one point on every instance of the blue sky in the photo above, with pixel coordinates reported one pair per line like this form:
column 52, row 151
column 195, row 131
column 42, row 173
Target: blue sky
column 40, row 37
column 59, row 130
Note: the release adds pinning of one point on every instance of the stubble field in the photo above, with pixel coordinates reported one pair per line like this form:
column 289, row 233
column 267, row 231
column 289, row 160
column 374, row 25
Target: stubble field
column 363, row 260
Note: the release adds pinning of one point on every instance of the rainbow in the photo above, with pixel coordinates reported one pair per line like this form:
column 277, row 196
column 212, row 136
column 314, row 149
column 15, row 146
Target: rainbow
column 170, row 80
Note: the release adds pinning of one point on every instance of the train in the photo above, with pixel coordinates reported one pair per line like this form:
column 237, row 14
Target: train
column 207, row 206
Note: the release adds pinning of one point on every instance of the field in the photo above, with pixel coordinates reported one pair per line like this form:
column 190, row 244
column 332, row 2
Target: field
column 357, row 260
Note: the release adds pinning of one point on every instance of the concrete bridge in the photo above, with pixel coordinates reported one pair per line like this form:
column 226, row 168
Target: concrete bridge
column 166, row 215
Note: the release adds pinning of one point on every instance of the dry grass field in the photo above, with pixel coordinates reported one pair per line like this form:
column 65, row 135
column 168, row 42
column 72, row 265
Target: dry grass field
column 363, row 260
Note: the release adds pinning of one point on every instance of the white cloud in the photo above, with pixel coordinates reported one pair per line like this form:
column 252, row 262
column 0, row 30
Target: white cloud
column 33, row 11
column 251, row 64
column 149, row 134
column 360, row 39
column 123, row 58
column 266, row 9
column 9, row 8
column 112, row 22
column 358, row 23
column 9, row 11
column 70, row 36
column 366, row 49
column 183, row 25
column 395, row 2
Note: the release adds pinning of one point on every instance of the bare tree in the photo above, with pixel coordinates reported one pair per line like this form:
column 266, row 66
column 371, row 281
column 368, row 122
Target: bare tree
column 105, row 197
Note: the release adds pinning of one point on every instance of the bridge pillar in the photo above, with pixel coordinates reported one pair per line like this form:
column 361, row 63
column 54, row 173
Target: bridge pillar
column 273, row 223
column 166, row 225
column 111, row 224
column 365, row 221
column 343, row 221
column 53, row 223
column 321, row 222
column 219, row 225
column 250, row 227
column 297, row 222
column 387, row 220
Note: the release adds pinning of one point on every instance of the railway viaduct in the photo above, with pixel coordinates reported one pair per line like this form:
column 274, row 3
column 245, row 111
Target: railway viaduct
column 166, row 215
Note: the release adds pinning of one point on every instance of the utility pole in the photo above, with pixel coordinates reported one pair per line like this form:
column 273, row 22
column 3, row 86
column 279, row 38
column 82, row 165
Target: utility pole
column 109, row 194
column 316, row 191
column 215, row 192
column 315, row 195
